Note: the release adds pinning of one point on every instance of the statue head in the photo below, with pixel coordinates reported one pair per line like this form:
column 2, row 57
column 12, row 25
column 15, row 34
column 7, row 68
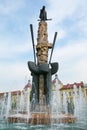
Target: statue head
column 43, row 7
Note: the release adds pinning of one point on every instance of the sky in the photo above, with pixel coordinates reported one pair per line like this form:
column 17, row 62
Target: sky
column 69, row 19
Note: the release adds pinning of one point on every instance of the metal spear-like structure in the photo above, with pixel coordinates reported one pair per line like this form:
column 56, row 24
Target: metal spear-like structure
column 53, row 47
column 32, row 36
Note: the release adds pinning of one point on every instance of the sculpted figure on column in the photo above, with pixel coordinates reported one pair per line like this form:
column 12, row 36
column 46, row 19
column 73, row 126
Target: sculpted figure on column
column 43, row 14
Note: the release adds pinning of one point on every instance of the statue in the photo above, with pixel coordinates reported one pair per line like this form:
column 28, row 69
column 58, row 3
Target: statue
column 43, row 14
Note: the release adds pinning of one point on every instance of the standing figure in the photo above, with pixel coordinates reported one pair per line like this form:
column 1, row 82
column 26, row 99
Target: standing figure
column 43, row 14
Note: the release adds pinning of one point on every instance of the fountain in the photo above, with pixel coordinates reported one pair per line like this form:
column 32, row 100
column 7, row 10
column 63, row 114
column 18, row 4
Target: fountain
column 43, row 110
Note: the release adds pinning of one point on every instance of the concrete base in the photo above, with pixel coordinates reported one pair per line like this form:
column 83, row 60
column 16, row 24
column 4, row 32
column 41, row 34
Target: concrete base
column 41, row 118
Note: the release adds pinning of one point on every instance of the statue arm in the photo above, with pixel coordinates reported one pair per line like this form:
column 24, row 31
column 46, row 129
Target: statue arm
column 54, row 67
column 33, row 68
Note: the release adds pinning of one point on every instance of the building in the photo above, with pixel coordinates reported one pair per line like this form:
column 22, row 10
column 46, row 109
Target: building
column 67, row 97
column 70, row 95
column 15, row 101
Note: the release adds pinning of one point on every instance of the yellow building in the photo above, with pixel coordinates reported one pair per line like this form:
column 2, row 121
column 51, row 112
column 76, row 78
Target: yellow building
column 69, row 94
column 69, row 90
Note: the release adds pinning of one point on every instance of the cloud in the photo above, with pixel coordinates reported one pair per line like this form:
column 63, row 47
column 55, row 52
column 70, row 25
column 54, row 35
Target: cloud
column 13, row 76
column 10, row 48
column 70, row 10
column 82, row 25
column 59, row 10
column 9, row 7
column 72, row 61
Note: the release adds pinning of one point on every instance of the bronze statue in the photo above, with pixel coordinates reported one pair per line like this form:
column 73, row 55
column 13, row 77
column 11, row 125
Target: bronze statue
column 43, row 14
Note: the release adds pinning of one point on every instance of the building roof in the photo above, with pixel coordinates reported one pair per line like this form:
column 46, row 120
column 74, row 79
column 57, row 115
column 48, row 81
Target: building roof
column 54, row 81
column 1, row 94
column 12, row 93
column 70, row 86
column 28, row 85
column 16, row 92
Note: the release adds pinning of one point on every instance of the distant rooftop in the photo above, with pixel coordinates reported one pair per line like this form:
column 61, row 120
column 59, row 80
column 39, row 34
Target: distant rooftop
column 70, row 86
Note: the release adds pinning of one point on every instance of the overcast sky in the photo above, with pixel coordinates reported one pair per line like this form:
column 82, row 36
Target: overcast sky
column 69, row 19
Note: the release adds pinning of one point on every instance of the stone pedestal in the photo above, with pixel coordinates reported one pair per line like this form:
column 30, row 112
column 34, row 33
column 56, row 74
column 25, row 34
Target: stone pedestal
column 42, row 118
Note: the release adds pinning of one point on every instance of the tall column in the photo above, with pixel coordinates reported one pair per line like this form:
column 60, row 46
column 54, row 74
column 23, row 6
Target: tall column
column 42, row 54
column 42, row 43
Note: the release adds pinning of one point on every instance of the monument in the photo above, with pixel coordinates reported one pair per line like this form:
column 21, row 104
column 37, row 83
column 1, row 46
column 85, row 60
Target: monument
column 42, row 70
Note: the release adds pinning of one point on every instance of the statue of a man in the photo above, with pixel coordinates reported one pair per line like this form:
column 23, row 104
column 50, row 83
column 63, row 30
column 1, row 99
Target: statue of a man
column 43, row 14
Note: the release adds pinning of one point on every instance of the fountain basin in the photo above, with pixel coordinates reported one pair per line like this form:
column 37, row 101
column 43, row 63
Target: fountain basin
column 42, row 118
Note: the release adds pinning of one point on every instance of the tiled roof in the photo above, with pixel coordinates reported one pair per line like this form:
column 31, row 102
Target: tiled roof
column 70, row 86
column 1, row 94
column 28, row 86
column 54, row 81
column 16, row 92
column 12, row 93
